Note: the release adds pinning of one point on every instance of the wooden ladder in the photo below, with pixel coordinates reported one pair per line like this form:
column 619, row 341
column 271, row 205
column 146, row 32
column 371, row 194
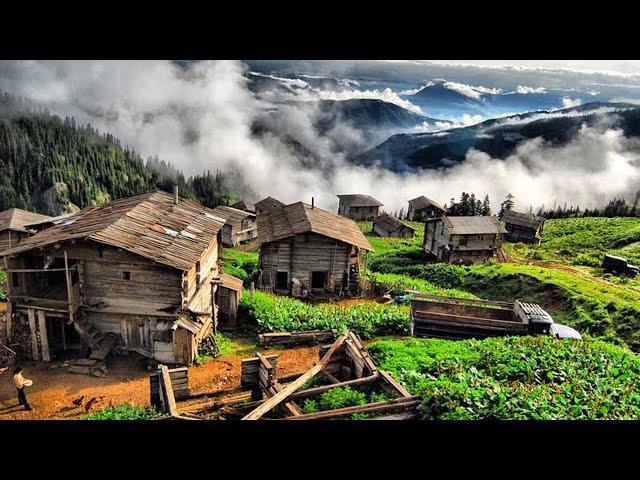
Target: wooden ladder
column 99, row 342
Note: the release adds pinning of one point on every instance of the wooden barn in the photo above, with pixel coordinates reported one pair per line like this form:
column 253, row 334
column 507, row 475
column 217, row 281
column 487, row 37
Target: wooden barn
column 358, row 207
column 137, row 273
column 387, row 226
column 463, row 240
column 307, row 250
column 14, row 226
column 239, row 226
column 523, row 227
column 227, row 299
column 267, row 204
column 245, row 206
column 422, row 208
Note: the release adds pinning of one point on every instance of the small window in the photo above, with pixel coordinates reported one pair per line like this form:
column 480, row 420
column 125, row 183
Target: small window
column 15, row 279
column 463, row 240
column 318, row 279
column 282, row 281
column 126, row 275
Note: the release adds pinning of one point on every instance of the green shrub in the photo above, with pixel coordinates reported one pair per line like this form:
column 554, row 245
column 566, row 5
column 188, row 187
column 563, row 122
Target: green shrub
column 340, row 398
column 515, row 377
column 123, row 412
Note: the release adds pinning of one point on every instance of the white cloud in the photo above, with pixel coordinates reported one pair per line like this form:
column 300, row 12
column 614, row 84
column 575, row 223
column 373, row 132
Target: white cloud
column 471, row 91
column 523, row 89
column 568, row 102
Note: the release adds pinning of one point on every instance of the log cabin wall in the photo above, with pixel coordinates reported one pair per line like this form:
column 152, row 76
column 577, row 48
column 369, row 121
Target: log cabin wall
column 302, row 254
column 10, row 238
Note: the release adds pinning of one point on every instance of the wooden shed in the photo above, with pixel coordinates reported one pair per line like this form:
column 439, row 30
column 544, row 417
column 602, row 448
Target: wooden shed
column 135, row 273
column 14, row 226
column 387, row 226
column 304, row 249
column 358, row 207
column 463, row 240
column 239, row 226
column 422, row 208
column 228, row 300
column 267, row 204
column 523, row 227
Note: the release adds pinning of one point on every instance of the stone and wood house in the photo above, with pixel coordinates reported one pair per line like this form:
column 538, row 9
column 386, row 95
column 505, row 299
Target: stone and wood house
column 358, row 207
column 422, row 208
column 306, row 250
column 239, row 226
column 463, row 240
column 137, row 274
column 523, row 227
column 387, row 226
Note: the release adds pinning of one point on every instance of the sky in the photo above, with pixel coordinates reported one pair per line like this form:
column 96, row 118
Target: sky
column 617, row 67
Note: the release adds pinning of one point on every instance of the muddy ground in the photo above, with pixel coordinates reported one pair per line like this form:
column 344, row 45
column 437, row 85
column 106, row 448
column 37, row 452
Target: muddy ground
column 54, row 389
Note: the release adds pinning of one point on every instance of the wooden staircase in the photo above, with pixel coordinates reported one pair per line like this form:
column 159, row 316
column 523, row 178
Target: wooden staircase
column 100, row 343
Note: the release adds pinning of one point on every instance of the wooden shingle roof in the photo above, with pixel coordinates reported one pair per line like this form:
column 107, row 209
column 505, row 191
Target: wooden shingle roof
column 522, row 219
column 232, row 216
column 244, row 205
column 16, row 219
column 423, row 202
column 268, row 203
column 358, row 200
column 149, row 225
column 230, row 282
column 389, row 223
column 473, row 225
column 300, row 217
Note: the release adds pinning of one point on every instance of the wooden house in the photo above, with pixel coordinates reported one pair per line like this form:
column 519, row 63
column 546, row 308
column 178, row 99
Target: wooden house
column 245, row 206
column 463, row 239
column 227, row 299
column 387, row 226
column 137, row 273
column 239, row 226
column 422, row 208
column 304, row 249
column 267, row 204
column 358, row 207
column 14, row 226
column 523, row 227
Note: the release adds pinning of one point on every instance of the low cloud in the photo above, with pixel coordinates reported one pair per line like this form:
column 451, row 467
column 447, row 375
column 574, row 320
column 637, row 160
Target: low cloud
column 568, row 102
column 523, row 89
column 471, row 91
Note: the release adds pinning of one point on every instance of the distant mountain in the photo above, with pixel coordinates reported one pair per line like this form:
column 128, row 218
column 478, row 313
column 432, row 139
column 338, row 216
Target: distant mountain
column 451, row 100
column 497, row 137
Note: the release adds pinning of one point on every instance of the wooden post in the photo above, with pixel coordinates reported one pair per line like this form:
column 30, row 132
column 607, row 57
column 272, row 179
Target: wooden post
column 9, row 320
column 44, row 340
column 64, row 339
column 34, row 339
column 252, row 289
column 69, row 294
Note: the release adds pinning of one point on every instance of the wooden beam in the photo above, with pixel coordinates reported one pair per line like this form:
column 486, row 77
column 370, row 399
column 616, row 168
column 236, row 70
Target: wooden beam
column 165, row 381
column 31, row 314
column 296, row 384
column 393, row 384
column 330, row 377
column 44, row 340
column 69, row 294
column 402, row 402
column 349, row 383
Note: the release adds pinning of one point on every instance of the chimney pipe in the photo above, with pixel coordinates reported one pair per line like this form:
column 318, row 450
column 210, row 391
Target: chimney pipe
column 312, row 202
column 176, row 198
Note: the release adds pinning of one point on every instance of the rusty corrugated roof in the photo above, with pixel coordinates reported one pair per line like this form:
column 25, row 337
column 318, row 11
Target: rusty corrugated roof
column 300, row 217
column 150, row 225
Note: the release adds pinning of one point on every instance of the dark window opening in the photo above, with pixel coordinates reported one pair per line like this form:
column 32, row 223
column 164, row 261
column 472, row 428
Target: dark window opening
column 126, row 275
column 463, row 240
column 318, row 279
column 282, row 280
column 15, row 279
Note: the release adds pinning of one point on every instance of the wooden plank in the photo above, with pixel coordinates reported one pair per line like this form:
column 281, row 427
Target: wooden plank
column 395, row 385
column 330, row 377
column 44, row 340
column 296, row 384
column 165, row 381
column 349, row 383
column 34, row 339
column 402, row 402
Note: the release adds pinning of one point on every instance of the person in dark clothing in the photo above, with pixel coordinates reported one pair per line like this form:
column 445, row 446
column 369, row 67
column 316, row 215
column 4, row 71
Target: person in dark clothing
column 19, row 382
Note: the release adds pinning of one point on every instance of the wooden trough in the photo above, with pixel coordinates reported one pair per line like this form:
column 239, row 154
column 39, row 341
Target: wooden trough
column 264, row 395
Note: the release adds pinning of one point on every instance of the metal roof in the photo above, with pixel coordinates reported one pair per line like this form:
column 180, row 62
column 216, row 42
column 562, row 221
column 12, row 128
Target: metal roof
column 389, row 223
column 473, row 225
column 300, row 217
column 527, row 220
column 150, row 225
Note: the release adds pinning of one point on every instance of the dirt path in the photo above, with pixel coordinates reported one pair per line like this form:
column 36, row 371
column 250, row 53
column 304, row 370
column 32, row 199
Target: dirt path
column 127, row 382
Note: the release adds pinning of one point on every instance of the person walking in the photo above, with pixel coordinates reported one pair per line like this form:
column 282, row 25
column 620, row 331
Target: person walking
column 20, row 383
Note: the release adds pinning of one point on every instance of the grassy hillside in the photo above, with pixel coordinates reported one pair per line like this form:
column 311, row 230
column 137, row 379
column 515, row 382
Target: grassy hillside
column 518, row 378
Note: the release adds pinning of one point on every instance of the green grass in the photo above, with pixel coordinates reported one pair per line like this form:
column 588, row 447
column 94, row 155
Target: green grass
column 240, row 264
column 274, row 314
column 515, row 377
column 3, row 279
column 400, row 284
column 123, row 412
column 228, row 345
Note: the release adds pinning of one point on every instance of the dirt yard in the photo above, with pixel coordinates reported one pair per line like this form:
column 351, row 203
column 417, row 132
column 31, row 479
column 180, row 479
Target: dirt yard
column 54, row 389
